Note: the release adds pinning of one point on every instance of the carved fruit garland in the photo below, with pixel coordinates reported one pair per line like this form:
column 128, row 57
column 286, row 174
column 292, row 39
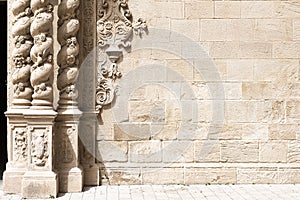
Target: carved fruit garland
column 21, row 52
column 68, row 56
column 42, row 53
column 114, row 35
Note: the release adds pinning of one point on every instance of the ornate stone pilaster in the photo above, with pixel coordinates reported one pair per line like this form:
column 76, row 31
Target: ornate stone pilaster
column 67, row 122
column 20, row 43
column 42, row 71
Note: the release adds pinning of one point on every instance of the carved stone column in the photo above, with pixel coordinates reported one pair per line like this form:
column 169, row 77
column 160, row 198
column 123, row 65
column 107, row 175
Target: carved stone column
column 67, row 122
column 20, row 43
column 40, row 181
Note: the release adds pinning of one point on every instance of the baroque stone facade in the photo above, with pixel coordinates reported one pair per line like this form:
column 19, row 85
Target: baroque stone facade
column 204, row 92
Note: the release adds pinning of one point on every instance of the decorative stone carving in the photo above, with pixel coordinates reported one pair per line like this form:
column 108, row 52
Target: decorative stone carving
column 114, row 35
column 68, row 56
column 42, row 53
column 39, row 146
column 20, row 144
column 21, row 52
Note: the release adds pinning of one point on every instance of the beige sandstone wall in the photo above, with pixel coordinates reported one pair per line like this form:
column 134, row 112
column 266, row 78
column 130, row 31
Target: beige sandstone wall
column 255, row 47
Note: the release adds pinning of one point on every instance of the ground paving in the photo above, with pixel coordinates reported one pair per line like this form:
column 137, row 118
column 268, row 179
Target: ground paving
column 180, row 192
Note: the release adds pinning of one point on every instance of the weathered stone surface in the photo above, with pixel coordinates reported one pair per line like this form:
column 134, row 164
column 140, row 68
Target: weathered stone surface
column 113, row 151
column 207, row 151
column 227, row 9
column 283, row 131
column 145, row 151
column 292, row 111
column 178, row 151
column 257, row 175
column 199, row 9
column 288, row 176
column 210, row 175
column 147, row 111
column 293, row 155
column 273, row 151
column 239, row 151
column 162, row 175
column 128, row 176
column 131, row 131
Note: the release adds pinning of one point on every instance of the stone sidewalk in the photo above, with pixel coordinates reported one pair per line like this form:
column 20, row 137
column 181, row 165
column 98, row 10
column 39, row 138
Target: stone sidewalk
column 180, row 192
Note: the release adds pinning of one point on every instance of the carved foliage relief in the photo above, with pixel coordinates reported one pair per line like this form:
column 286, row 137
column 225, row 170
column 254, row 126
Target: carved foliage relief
column 20, row 144
column 22, row 42
column 42, row 52
column 68, row 56
column 39, row 146
column 114, row 35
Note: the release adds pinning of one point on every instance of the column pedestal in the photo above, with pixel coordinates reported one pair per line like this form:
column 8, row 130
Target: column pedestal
column 67, row 151
column 40, row 181
column 17, row 151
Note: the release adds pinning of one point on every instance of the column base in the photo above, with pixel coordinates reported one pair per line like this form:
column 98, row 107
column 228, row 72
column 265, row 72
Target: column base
column 12, row 181
column 92, row 176
column 39, row 185
column 71, row 180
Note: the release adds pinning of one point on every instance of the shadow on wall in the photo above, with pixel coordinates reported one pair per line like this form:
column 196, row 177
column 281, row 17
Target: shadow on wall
column 3, row 89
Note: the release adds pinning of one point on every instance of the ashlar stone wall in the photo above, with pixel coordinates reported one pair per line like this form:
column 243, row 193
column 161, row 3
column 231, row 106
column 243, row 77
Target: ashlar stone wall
column 183, row 125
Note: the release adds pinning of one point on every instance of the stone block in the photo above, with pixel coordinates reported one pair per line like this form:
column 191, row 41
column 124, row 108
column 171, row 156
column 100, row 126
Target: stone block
column 12, row 181
column 164, row 131
column 39, row 185
column 292, row 111
column 227, row 9
column 279, row 70
column 255, row 131
column 213, row 30
column 145, row 151
column 273, row 151
column 126, row 176
column 178, row 151
column 288, row 176
column 287, row 9
column 113, row 151
column 293, row 155
column 286, row 49
column 239, row 151
column 162, row 176
column 224, row 49
column 296, row 29
column 189, row 29
column 257, row 175
column 255, row 50
column 240, row 29
column 147, row 111
column 273, row 29
column 199, row 10
column 257, row 9
column 210, row 175
column 131, row 131
column 283, row 131
column 207, row 151
column 240, row 70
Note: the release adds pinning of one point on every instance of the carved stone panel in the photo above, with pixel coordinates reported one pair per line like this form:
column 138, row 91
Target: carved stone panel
column 39, row 149
column 114, row 35
column 20, row 145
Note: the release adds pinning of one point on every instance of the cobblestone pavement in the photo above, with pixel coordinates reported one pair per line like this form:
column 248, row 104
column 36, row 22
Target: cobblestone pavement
column 179, row 192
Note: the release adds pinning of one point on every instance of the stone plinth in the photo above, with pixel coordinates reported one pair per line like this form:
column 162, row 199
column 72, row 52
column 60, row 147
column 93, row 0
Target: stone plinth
column 40, row 181
column 17, row 142
column 67, row 150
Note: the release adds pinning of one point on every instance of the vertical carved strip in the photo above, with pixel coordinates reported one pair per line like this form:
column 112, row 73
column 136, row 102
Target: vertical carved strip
column 42, row 53
column 68, row 56
column 21, row 53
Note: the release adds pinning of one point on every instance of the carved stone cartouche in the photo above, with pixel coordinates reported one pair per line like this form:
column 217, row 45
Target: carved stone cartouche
column 114, row 35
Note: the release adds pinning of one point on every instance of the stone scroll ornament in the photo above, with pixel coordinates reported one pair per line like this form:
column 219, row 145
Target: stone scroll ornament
column 21, row 53
column 41, row 54
column 68, row 55
column 114, row 35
